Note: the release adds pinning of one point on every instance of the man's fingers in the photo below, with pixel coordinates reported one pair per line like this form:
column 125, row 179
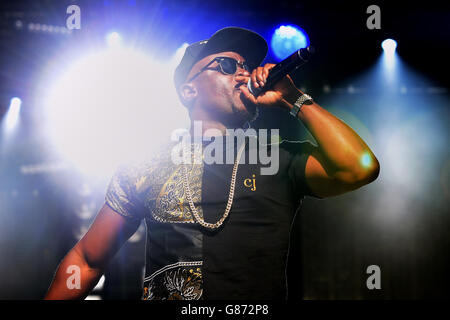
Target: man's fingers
column 260, row 76
column 254, row 81
column 242, row 78
column 248, row 95
column 266, row 72
column 266, row 69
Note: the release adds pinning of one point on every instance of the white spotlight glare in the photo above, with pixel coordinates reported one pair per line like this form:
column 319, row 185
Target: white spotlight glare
column 110, row 107
column 12, row 116
column 389, row 46
column 176, row 58
column 113, row 39
column 389, row 57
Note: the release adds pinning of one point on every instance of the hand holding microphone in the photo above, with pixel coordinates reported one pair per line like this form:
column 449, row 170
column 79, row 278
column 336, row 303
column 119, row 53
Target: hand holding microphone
column 291, row 63
column 258, row 95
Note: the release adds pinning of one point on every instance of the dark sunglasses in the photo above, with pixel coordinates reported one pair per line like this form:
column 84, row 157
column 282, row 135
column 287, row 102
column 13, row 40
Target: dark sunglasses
column 227, row 65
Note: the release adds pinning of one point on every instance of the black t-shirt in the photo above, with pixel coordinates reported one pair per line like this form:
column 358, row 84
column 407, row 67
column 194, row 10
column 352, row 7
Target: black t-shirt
column 246, row 257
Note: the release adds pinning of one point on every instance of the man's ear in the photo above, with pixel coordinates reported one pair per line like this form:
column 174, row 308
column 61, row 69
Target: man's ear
column 188, row 92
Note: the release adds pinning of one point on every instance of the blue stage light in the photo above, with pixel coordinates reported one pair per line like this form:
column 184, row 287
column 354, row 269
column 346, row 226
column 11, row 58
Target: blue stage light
column 389, row 58
column 287, row 39
column 389, row 46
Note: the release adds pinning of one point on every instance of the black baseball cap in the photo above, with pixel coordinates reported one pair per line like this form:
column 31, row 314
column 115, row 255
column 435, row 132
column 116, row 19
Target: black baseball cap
column 250, row 45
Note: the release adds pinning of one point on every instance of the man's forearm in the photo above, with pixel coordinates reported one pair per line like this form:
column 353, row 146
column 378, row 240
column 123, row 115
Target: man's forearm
column 66, row 285
column 341, row 146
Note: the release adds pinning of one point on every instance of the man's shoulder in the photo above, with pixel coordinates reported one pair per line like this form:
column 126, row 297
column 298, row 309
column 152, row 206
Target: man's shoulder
column 150, row 161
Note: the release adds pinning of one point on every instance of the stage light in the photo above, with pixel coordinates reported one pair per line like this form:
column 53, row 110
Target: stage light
column 287, row 39
column 389, row 58
column 389, row 46
column 12, row 115
column 110, row 107
column 113, row 39
column 44, row 28
column 19, row 24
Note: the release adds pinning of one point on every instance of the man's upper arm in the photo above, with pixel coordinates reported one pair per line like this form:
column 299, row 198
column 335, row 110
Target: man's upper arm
column 106, row 235
column 116, row 221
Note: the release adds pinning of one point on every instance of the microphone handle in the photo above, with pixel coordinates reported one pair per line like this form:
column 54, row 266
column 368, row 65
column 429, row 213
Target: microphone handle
column 291, row 63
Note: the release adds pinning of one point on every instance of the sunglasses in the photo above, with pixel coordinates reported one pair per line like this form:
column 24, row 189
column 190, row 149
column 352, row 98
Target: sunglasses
column 227, row 65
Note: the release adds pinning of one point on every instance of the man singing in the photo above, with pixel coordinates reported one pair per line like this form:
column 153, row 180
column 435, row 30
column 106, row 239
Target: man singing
column 221, row 230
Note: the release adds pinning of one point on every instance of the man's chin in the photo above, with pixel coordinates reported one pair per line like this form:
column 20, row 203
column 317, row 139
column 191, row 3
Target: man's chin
column 246, row 112
column 253, row 113
column 250, row 108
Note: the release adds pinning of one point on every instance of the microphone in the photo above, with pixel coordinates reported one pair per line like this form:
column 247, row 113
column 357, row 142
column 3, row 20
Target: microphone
column 291, row 63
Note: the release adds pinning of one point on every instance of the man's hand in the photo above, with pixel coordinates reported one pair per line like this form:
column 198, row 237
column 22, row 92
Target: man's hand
column 281, row 94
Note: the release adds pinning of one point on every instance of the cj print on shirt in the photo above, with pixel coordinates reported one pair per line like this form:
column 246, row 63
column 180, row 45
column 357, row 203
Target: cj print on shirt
column 250, row 183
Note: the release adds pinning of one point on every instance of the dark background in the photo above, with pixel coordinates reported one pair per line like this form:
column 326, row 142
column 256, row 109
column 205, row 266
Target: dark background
column 334, row 240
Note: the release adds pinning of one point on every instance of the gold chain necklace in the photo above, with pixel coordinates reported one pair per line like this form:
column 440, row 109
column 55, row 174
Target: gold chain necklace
column 187, row 191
